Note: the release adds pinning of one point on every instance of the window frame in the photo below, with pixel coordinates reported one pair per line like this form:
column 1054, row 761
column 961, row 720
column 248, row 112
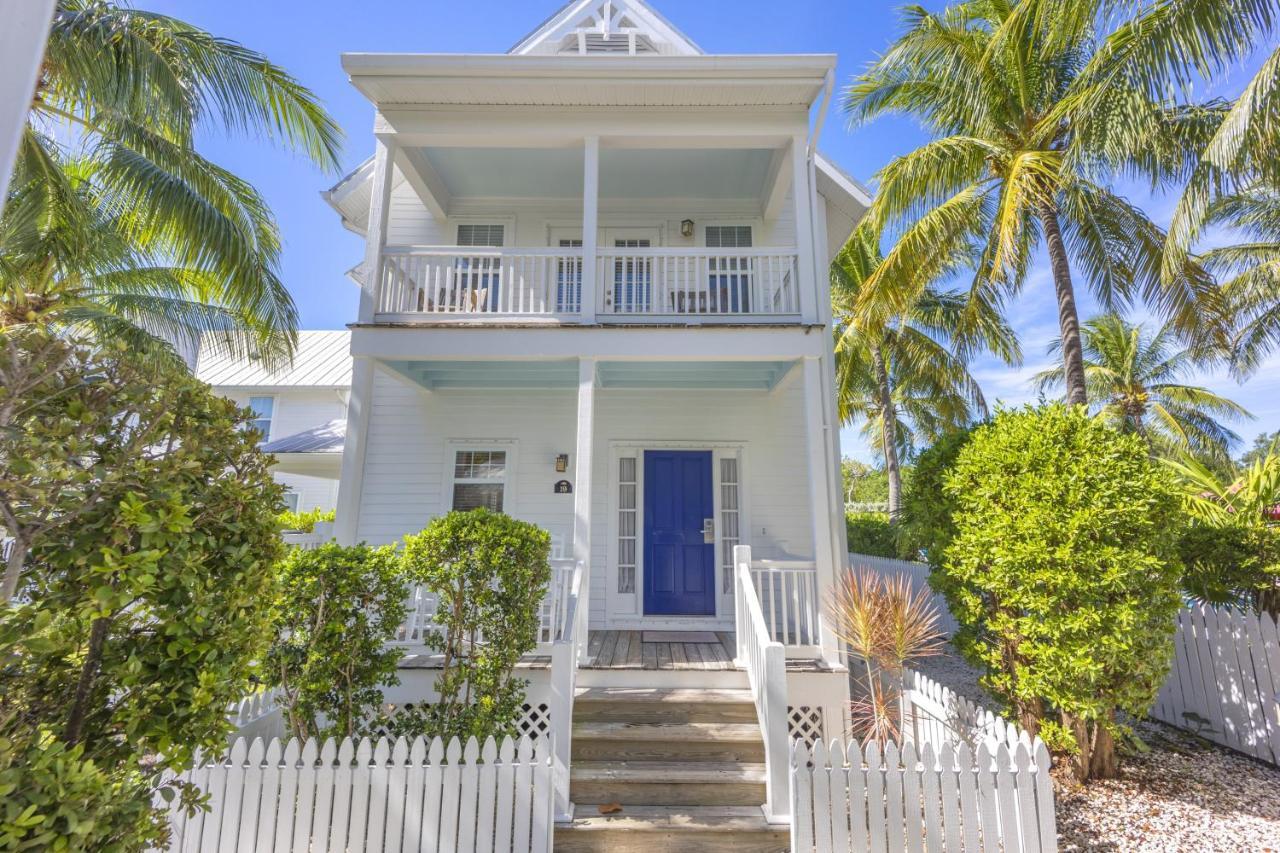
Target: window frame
column 449, row 464
column 271, row 421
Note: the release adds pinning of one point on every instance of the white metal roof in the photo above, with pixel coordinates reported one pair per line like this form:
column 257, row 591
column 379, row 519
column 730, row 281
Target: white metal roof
column 326, row 438
column 323, row 360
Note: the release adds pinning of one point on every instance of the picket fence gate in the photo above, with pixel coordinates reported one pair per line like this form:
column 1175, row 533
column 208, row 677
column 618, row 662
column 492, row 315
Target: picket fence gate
column 1224, row 683
column 847, row 799
column 383, row 796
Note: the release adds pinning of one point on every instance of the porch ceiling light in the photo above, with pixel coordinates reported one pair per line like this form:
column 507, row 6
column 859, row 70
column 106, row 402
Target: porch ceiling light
column 686, row 228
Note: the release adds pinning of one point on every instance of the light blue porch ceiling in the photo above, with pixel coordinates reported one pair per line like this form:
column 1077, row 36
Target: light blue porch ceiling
column 709, row 173
column 743, row 375
column 443, row 375
column 697, row 375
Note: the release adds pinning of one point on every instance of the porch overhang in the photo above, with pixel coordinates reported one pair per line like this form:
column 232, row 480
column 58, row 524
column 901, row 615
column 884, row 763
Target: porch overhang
column 702, row 343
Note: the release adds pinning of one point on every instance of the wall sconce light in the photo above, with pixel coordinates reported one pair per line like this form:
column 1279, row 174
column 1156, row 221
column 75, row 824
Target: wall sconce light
column 686, row 228
column 562, row 463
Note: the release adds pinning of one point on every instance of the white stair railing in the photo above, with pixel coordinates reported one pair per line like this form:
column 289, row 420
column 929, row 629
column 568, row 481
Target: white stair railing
column 567, row 651
column 765, row 662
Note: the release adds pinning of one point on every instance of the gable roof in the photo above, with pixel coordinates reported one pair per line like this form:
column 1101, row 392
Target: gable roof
column 605, row 20
column 323, row 360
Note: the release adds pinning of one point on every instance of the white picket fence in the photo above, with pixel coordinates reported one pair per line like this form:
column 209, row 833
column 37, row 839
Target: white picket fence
column 964, row 779
column 1225, row 680
column 257, row 715
column 851, row 800
column 918, row 573
column 384, row 796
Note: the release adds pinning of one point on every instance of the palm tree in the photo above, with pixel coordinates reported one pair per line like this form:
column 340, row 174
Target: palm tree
column 1252, row 271
column 1034, row 105
column 1135, row 381
column 115, row 220
column 906, row 375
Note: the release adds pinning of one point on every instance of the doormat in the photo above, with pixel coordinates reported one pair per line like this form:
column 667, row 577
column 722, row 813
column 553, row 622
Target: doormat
column 679, row 637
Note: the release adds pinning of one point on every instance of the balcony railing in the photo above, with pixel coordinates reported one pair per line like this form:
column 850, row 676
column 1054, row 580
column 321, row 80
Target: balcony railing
column 479, row 284
column 697, row 282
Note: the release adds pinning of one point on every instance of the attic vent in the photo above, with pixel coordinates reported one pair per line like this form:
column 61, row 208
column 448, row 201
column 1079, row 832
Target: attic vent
column 596, row 43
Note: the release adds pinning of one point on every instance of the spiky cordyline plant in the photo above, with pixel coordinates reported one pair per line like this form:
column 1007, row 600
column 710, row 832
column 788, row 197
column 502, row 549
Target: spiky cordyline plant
column 1135, row 382
column 906, row 376
column 884, row 623
column 1035, row 106
column 110, row 144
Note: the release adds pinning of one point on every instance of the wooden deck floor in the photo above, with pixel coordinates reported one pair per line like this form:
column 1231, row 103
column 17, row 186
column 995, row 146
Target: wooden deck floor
column 626, row 650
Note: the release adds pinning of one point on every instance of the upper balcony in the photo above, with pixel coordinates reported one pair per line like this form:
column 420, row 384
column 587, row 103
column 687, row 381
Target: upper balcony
column 590, row 191
column 451, row 283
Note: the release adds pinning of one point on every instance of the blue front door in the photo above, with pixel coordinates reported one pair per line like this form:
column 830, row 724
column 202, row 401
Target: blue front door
column 679, row 564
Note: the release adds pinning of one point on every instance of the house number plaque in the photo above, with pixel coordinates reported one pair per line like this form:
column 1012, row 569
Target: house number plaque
column 564, row 487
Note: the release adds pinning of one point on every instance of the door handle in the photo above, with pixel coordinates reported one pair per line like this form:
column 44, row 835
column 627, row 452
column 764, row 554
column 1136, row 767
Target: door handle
column 709, row 530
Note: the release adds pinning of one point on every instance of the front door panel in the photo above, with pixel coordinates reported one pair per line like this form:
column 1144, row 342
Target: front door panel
column 679, row 564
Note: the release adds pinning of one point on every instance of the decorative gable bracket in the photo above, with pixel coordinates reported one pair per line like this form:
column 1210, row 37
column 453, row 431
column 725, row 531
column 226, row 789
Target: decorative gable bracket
column 592, row 27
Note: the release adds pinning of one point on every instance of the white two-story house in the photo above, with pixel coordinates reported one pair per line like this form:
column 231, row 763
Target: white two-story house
column 595, row 297
column 301, row 410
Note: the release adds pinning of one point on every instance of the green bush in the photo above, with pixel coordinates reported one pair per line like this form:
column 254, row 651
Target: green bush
column 304, row 522
column 1063, row 573
column 870, row 533
column 925, row 524
column 144, row 514
column 337, row 608
column 490, row 573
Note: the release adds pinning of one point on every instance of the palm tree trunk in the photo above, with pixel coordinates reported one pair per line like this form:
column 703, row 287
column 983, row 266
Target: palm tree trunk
column 1068, row 317
column 888, row 432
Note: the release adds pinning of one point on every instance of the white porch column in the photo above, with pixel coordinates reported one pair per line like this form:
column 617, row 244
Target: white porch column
column 816, row 427
column 800, row 189
column 582, row 463
column 590, row 225
column 384, row 156
column 346, row 525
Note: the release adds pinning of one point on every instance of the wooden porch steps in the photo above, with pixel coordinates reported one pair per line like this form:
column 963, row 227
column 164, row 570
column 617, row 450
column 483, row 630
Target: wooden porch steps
column 657, row 829
column 684, row 766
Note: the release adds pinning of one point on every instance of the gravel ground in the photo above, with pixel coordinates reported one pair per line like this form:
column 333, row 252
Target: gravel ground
column 1184, row 795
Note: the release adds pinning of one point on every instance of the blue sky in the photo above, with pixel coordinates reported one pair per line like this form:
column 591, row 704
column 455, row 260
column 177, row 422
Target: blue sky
column 308, row 37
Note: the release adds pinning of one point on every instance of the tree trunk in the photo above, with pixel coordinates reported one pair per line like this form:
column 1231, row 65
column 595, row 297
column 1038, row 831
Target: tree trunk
column 88, row 674
column 1068, row 317
column 13, row 569
column 888, row 432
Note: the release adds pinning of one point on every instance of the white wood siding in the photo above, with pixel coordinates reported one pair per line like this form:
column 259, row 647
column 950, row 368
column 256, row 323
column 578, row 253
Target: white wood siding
column 411, row 224
column 405, row 481
column 296, row 409
column 313, row 492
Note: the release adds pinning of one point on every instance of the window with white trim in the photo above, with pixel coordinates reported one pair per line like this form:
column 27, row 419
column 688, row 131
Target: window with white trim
column 730, row 515
column 728, row 236
column 627, row 538
column 263, row 411
column 481, row 234
column 290, row 500
column 479, row 479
